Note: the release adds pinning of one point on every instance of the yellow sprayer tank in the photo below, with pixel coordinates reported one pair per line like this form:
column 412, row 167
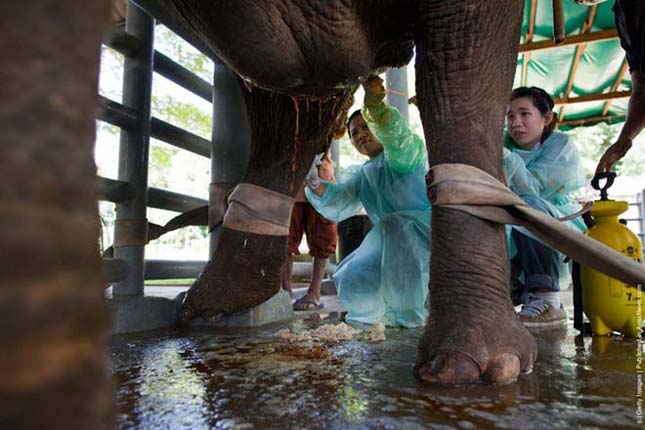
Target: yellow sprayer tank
column 611, row 305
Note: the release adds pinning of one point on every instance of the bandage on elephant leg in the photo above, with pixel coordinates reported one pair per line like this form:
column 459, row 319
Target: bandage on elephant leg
column 464, row 77
column 286, row 133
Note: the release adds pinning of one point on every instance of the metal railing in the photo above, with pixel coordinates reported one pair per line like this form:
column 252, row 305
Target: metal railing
column 130, row 192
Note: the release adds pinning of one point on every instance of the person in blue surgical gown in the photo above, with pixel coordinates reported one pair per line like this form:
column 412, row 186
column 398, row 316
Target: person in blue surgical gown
column 386, row 279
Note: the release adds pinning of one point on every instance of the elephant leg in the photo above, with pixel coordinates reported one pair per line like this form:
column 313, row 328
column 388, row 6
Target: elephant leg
column 466, row 53
column 53, row 312
column 286, row 133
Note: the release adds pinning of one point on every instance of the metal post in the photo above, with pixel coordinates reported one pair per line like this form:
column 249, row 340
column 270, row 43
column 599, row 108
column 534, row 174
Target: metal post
column 231, row 142
column 133, row 154
column 396, row 81
column 335, row 156
column 641, row 216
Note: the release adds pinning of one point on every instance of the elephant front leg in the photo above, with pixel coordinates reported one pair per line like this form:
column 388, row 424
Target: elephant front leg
column 466, row 54
column 286, row 133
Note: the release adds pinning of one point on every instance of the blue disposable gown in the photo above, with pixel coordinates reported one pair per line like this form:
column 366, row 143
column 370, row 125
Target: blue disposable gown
column 386, row 278
column 551, row 173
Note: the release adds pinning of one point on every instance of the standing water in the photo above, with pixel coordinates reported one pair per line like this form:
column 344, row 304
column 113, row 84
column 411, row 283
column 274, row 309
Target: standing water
column 252, row 379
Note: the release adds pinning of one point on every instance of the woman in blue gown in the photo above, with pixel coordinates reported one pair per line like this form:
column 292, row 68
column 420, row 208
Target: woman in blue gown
column 385, row 279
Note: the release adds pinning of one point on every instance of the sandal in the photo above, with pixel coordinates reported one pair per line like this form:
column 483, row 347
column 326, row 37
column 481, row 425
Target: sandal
column 303, row 304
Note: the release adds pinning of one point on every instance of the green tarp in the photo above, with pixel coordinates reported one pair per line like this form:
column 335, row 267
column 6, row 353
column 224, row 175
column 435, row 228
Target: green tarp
column 597, row 71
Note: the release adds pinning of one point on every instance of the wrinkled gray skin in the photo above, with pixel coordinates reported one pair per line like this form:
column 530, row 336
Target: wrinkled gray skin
column 466, row 53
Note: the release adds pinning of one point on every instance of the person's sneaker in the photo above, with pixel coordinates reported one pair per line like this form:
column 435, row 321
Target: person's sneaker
column 538, row 313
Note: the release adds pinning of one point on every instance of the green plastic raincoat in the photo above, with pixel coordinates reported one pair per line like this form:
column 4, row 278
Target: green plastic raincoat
column 386, row 278
column 551, row 173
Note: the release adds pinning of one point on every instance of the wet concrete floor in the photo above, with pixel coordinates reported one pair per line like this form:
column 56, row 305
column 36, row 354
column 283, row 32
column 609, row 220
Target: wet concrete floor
column 250, row 379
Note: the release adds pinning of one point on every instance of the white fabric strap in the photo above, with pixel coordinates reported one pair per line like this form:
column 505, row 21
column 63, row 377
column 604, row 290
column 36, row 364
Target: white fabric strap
column 258, row 210
column 473, row 191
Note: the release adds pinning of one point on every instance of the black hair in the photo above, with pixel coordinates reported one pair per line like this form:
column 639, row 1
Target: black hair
column 541, row 100
column 351, row 117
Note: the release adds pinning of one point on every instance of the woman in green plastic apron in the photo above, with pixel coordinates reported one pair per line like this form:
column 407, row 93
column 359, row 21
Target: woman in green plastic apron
column 385, row 279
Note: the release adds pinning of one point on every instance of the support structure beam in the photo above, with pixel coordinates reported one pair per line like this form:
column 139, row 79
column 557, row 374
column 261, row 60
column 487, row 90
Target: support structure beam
column 580, row 49
column 170, row 201
column 122, row 42
column 593, row 97
column 529, row 37
column 231, row 142
column 183, row 77
column 597, row 36
column 133, row 154
column 590, row 120
column 396, row 81
column 114, row 191
column 117, row 114
column 179, row 137
column 619, row 78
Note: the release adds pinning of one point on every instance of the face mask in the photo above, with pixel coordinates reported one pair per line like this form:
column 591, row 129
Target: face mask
column 588, row 2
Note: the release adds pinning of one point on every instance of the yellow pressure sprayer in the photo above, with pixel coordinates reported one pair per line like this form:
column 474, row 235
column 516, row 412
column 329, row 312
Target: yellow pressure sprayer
column 610, row 305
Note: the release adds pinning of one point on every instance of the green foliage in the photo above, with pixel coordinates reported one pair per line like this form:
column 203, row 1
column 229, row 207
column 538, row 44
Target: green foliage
column 592, row 143
column 185, row 54
column 182, row 114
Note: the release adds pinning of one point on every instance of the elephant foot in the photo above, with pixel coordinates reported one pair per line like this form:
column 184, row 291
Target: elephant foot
column 243, row 273
column 496, row 351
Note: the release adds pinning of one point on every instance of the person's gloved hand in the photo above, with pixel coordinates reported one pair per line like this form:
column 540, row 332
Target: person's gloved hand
column 374, row 91
column 312, row 179
column 614, row 153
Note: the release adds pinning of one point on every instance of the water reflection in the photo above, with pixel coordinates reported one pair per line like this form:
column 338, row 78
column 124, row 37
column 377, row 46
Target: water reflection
column 247, row 379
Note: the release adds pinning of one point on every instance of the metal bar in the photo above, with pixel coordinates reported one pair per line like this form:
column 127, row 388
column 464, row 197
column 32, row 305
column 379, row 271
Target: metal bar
column 529, row 37
column 590, row 120
column 134, row 145
column 168, row 200
column 558, row 22
column 641, row 213
column 117, row 114
column 179, row 137
column 114, row 191
column 597, row 36
column 170, row 269
column 121, row 41
column 231, row 141
column 114, row 270
column 593, row 97
column 580, row 49
column 180, row 75
column 616, row 84
column 397, row 79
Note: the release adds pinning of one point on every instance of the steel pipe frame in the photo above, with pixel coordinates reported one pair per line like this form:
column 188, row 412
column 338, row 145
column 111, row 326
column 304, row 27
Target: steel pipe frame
column 396, row 79
column 179, row 137
column 231, row 141
column 134, row 146
column 119, row 191
column 182, row 76
column 171, row 269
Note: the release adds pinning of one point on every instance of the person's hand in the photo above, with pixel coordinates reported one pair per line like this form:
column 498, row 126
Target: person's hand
column 614, row 153
column 312, row 179
column 374, row 91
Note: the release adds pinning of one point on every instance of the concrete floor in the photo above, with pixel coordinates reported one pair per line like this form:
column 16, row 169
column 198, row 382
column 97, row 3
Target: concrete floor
column 232, row 378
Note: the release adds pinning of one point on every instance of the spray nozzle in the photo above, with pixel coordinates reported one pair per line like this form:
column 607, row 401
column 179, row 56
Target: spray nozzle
column 595, row 183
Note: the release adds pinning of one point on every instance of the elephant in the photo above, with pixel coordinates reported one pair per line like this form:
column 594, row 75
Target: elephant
column 301, row 60
column 465, row 57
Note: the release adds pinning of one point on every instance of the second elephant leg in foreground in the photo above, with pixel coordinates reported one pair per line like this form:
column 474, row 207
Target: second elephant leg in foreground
column 464, row 75
column 286, row 133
